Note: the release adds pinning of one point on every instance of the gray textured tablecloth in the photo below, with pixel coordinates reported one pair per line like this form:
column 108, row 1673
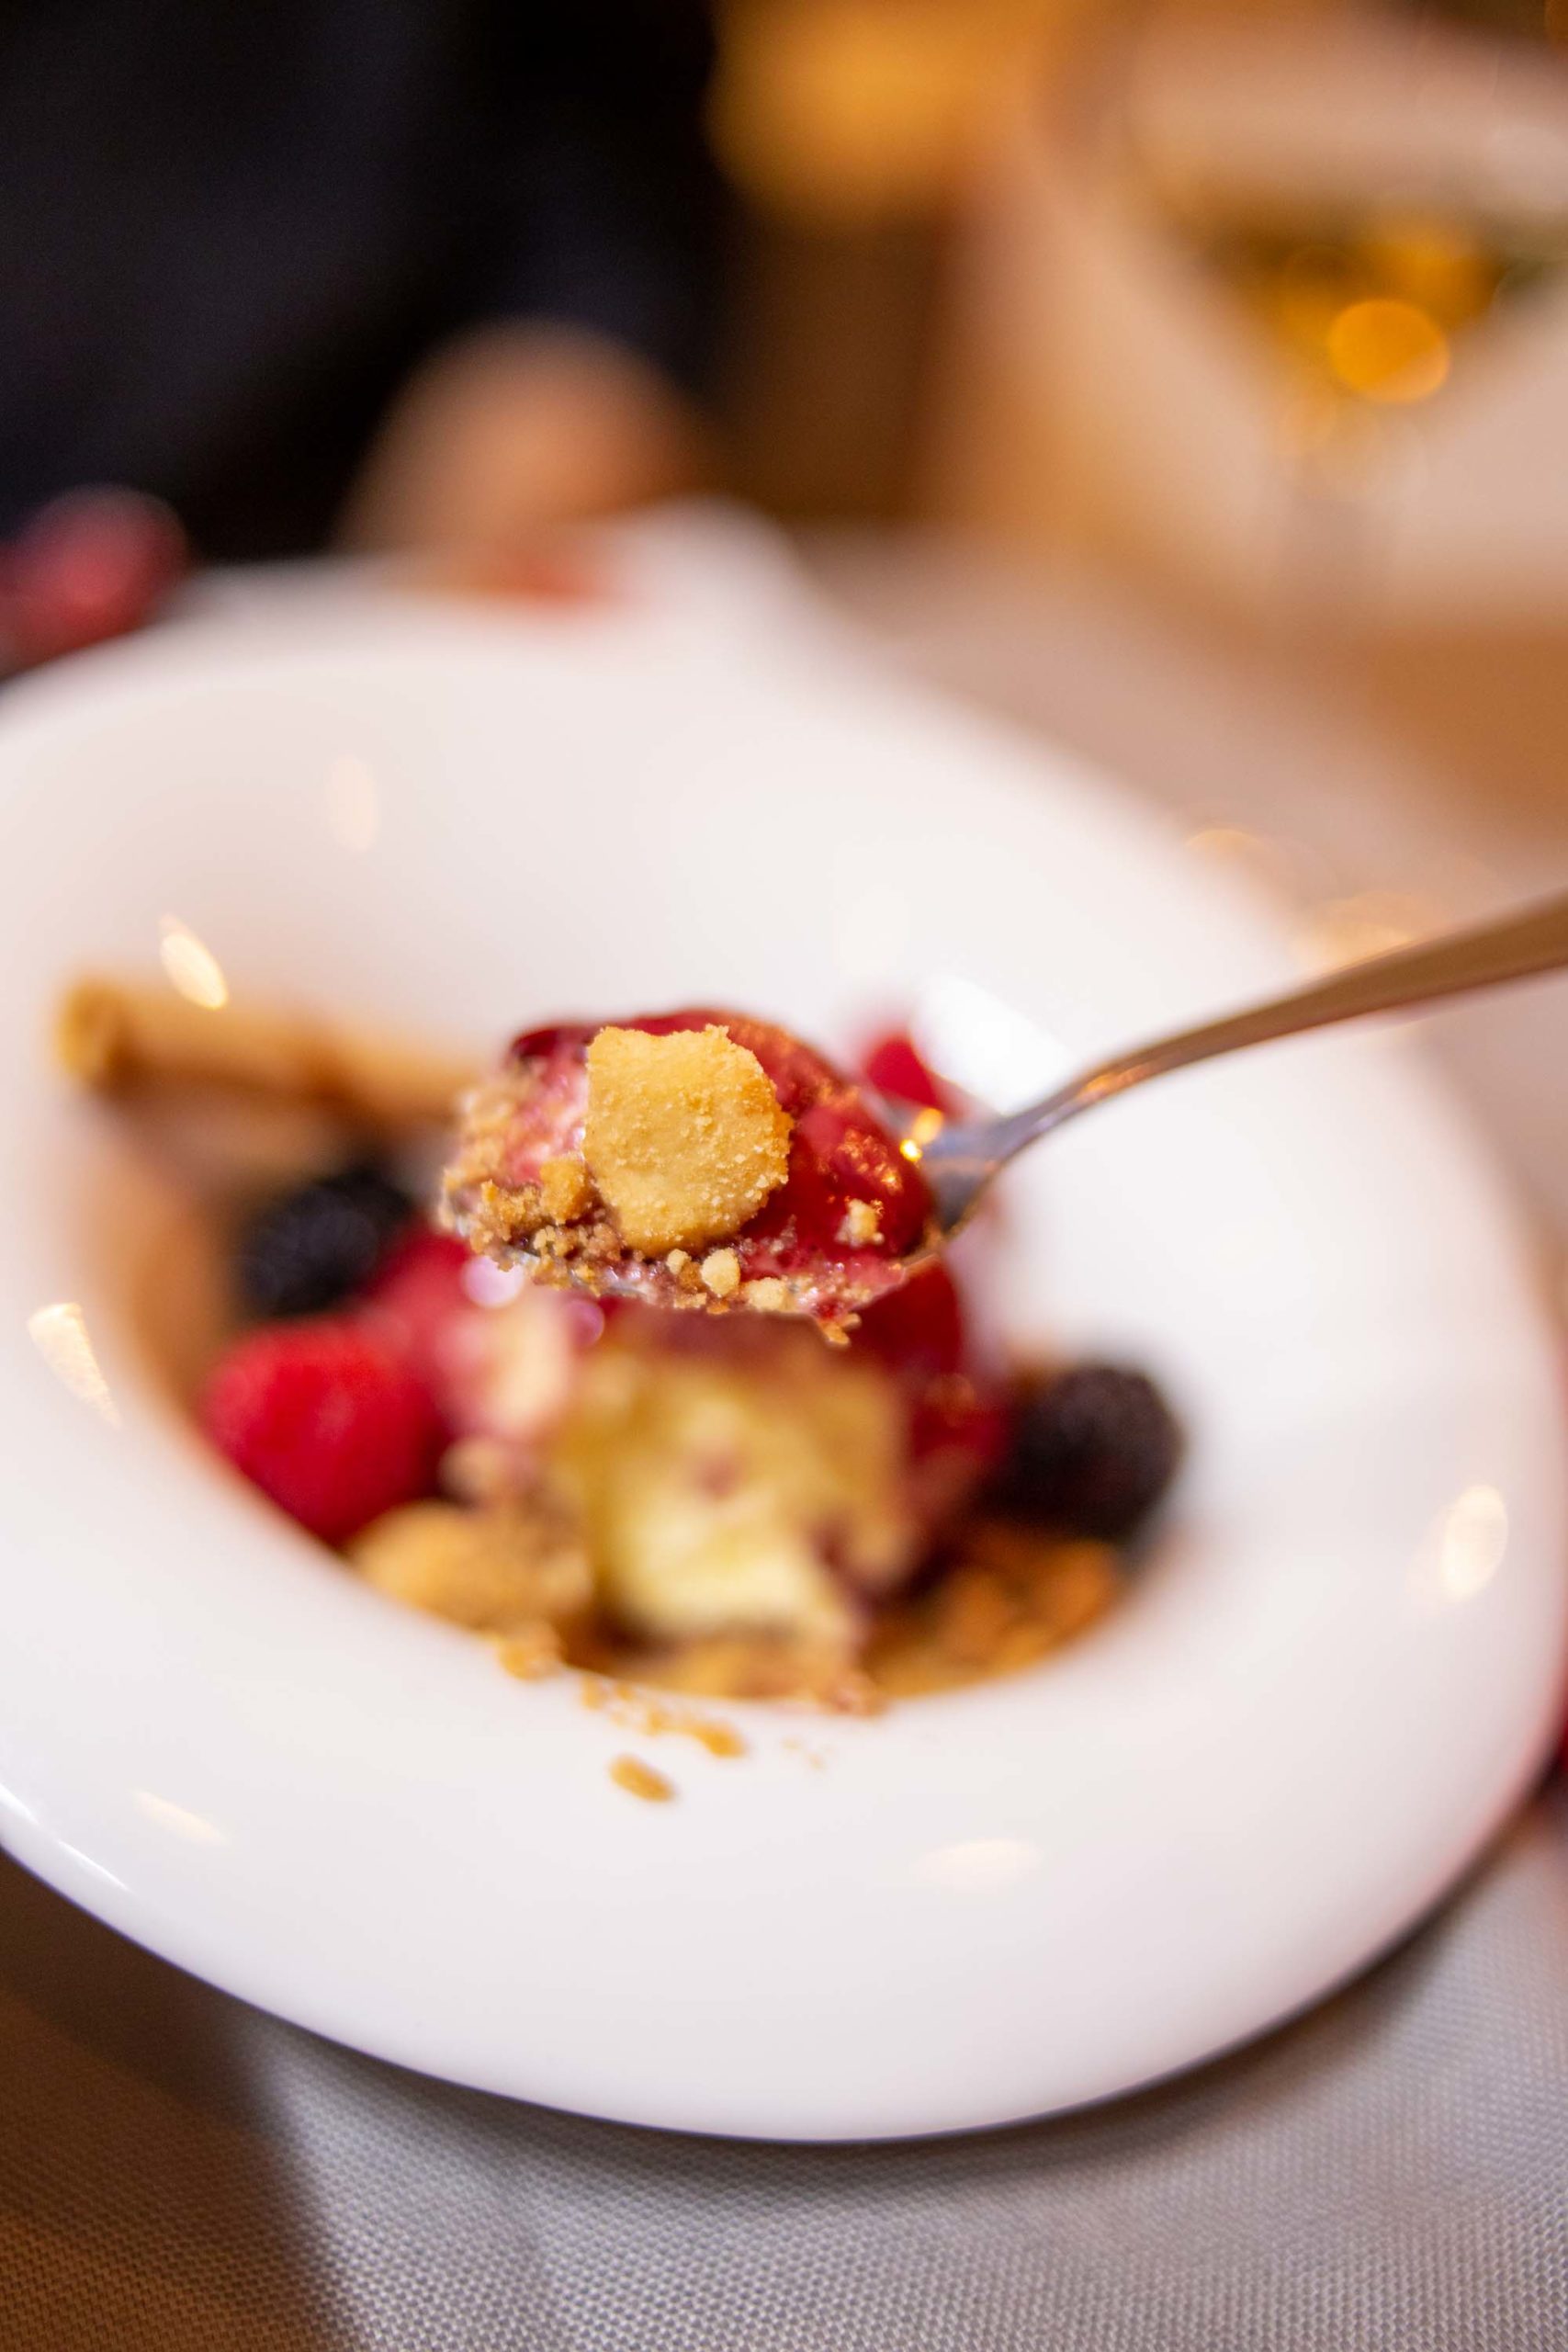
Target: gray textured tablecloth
column 179, row 2174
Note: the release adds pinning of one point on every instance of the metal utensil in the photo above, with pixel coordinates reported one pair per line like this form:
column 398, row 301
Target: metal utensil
column 959, row 1159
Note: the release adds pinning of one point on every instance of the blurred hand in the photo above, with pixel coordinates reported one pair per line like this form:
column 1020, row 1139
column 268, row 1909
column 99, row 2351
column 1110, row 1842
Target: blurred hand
column 515, row 430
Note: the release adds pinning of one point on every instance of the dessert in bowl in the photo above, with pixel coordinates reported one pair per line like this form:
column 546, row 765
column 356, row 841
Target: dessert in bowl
column 1337, row 1663
column 780, row 1462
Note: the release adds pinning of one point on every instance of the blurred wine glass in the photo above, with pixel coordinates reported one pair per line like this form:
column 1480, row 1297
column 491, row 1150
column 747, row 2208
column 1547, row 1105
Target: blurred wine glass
column 1371, row 205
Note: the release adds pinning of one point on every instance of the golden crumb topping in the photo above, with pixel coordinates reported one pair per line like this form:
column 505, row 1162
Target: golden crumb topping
column 721, row 1271
column 640, row 1779
column 643, row 1711
column 505, row 1570
column 565, row 1192
column 684, row 1136
column 532, row 1655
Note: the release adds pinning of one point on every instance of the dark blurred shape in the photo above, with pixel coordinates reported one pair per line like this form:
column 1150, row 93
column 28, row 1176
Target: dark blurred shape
column 1533, row 19
column 1093, row 1450
column 316, row 1244
column 231, row 233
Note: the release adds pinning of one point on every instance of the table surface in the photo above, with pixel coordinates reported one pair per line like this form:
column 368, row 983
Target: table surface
column 179, row 2171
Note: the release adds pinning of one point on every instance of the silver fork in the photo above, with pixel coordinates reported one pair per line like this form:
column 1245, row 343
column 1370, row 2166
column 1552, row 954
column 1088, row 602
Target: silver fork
column 960, row 1160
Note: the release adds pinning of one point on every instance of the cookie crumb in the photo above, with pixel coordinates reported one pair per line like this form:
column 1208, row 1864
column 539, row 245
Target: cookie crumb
column 565, row 1192
column 684, row 1135
column 720, row 1739
column 532, row 1655
column 767, row 1295
column 640, row 1779
column 506, row 1570
column 501, row 1213
column 721, row 1273
column 862, row 1227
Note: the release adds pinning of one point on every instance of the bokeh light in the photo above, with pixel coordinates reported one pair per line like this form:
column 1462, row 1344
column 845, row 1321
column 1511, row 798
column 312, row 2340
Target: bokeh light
column 1388, row 350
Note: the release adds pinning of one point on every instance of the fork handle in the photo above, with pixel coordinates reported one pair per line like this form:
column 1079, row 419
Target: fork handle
column 1532, row 941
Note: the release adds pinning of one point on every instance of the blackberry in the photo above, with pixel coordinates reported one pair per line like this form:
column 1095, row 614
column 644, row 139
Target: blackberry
column 308, row 1248
column 1091, row 1452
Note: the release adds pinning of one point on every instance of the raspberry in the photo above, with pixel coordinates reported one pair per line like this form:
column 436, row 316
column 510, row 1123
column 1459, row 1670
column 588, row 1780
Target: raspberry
column 894, row 1065
column 917, row 1330
column 314, row 1245
column 418, row 1298
column 328, row 1419
column 1092, row 1450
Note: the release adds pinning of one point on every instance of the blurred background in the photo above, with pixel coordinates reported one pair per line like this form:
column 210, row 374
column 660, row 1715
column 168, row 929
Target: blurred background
column 1206, row 366
column 1256, row 309
column 1188, row 380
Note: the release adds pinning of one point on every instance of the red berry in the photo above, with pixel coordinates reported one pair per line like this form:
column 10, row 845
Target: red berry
column 420, row 1303
column 89, row 565
column 328, row 1419
column 419, row 1290
column 918, row 1329
column 894, row 1065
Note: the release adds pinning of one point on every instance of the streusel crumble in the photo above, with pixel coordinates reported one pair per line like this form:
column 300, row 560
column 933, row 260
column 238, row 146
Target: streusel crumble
column 714, row 1163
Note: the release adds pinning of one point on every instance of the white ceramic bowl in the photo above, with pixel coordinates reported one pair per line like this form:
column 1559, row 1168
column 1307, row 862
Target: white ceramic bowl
column 1336, row 1675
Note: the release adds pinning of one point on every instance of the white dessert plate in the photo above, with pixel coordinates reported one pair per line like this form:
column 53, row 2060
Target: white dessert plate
column 1338, row 1668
